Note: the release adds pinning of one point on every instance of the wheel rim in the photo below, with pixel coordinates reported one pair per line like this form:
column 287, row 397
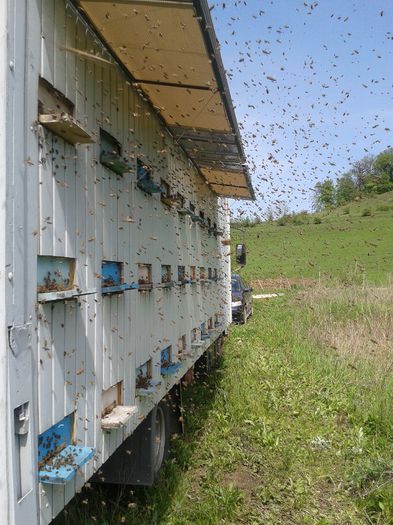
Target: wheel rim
column 159, row 439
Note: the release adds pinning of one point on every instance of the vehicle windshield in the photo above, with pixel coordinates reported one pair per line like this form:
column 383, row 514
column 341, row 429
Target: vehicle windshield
column 235, row 285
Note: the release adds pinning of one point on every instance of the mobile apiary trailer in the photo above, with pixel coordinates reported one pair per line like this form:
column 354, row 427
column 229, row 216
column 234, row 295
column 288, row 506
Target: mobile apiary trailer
column 118, row 149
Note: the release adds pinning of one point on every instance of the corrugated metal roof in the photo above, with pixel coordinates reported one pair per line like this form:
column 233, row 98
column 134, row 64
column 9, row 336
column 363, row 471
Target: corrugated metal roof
column 171, row 52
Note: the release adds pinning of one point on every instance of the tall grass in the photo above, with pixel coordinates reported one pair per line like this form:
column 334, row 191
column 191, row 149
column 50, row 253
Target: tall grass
column 356, row 322
column 353, row 328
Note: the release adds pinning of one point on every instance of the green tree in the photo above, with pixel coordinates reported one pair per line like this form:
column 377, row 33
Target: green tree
column 346, row 189
column 383, row 183
column 324, row 195
column 383, row 165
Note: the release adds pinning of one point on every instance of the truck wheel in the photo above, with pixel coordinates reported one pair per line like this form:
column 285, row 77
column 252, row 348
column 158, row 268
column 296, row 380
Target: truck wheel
column 160, row 435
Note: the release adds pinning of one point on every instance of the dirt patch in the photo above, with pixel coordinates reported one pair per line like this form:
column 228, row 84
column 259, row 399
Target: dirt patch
column 328, row 500
column 242, row 479
column 279, row 283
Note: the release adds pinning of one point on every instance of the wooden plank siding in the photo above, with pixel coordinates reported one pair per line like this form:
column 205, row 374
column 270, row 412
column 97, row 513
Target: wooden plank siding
column 89, row 213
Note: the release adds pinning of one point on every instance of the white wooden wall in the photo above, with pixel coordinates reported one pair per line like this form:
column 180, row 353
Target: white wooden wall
column 6, row 492
column 89, row 213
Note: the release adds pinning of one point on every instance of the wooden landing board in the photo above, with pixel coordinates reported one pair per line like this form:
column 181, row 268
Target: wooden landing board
column 118, row 417
column 66, row 127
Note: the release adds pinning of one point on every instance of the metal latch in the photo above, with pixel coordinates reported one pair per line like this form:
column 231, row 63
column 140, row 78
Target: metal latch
column 21, row 419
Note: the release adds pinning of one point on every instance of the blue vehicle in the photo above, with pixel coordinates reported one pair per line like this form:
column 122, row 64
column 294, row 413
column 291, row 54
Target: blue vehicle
column 241, row 299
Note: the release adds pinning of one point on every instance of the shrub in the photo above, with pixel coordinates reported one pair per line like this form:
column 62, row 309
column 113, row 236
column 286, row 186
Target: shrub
column 285, row 219
column 366, row 212
column 317, row 220
column 297, row 221
column 346, row 211
column 300, row 218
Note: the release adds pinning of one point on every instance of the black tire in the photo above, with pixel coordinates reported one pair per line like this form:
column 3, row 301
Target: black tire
column 160, row 435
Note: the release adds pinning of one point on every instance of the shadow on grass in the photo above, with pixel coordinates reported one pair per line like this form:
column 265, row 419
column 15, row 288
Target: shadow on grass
column 110, row 504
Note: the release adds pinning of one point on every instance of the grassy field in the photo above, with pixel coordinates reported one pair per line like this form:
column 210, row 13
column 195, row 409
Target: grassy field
column 348, row 244
column 295, row 426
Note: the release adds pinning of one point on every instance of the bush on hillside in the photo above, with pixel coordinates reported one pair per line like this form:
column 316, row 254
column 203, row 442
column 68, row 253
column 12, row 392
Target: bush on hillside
column 301, row 218
column 284, row 220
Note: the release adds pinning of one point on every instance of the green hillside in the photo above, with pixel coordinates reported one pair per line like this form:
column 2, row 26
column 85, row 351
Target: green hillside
column 354, row 242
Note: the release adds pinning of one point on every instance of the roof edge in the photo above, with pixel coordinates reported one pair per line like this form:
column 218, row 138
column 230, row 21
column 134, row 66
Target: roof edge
column 209, row 36
column 213, row 47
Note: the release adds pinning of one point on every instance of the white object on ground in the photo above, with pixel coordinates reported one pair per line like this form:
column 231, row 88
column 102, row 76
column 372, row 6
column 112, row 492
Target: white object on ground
column 267, row 295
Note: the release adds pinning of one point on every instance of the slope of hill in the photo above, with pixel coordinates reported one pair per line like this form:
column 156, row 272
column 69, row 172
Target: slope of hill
column 351, row 243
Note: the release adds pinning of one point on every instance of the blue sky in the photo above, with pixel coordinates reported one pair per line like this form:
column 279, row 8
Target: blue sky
column 312, row 83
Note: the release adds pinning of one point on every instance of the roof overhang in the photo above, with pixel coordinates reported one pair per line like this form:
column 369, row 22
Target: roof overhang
column 170, row 50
